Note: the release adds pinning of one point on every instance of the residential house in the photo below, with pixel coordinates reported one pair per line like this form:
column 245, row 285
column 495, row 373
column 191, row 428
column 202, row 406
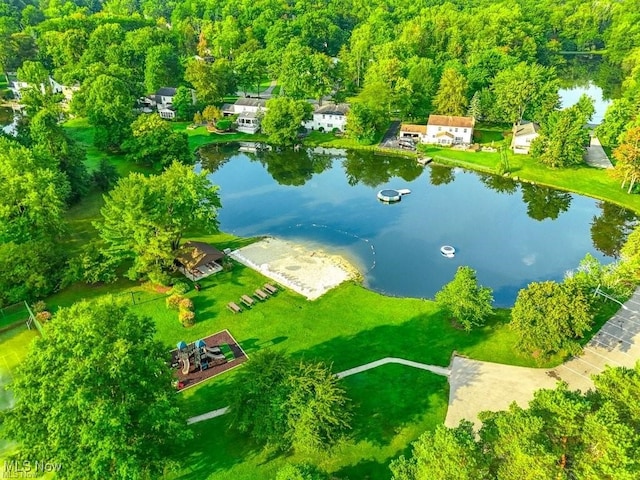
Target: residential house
column 16, row 86
column 449, row 130
column 523, row 134
column 249, row 122
column 417, row 133
column 329, row 117
column 245, row 105
column 162, row 100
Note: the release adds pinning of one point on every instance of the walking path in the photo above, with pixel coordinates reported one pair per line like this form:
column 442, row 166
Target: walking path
column 476, row 386
column 596, row 156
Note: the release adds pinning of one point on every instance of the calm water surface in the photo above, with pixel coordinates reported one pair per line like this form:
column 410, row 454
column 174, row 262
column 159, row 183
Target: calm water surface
column 510, row 233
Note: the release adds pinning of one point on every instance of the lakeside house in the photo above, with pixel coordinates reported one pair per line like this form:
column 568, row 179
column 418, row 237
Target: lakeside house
column 329, row 117
column 440, row 130
column 249, row 122
column 162, row 101
column 450, row 130
column 523, row 134
column 245, row 105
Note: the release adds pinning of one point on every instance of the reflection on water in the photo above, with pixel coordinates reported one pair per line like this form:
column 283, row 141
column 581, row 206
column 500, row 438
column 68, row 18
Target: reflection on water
column 510, row 233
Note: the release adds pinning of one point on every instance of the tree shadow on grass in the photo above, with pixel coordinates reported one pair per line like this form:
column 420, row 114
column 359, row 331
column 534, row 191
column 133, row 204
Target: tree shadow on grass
column 367, row 469
column 389, row 398
column 214, row 449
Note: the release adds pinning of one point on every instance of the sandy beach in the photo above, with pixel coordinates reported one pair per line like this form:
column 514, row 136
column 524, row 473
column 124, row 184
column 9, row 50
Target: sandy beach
column 310, row 273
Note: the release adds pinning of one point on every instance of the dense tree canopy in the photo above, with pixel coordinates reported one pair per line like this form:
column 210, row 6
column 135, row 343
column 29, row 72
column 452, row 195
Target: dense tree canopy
column 299, row 406
column 96, row 396
column 561, row 435
column 283, row 119
column 549, row 317
column 144, row 218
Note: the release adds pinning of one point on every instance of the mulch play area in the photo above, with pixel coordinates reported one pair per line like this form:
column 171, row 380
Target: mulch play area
column 205, row 358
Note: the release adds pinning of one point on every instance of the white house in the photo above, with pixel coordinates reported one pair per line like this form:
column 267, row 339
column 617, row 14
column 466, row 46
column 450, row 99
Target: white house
column 449, row 130
column 329, row 117
column 162, row 100
column 248, row 122
column 523, row 134
column 245, row 104
column 16, row 86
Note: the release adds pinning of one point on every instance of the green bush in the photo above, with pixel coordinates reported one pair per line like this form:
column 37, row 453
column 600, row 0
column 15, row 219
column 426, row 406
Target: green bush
column 223, row 125
column 173, row 301
column 180, row 288
column 186, row 304
column 187, row 318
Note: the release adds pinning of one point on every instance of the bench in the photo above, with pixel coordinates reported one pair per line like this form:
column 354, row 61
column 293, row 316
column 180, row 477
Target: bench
column 247, row 300
column 234, row 307
column 260, row 294
column 270, row 288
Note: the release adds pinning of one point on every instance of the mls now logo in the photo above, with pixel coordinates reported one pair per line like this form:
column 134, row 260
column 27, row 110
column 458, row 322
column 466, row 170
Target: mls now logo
column 28, row 469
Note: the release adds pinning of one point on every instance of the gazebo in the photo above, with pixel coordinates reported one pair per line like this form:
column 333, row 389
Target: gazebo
column 197, row 260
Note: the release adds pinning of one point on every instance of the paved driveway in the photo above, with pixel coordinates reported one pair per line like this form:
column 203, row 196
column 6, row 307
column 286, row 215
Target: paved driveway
column 476, row 386
column 596, row 156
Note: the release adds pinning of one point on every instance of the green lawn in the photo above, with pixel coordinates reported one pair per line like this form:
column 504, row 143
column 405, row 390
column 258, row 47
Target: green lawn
column 14, row 346
column 584, row 180
column 383, row 425
column 200, row 136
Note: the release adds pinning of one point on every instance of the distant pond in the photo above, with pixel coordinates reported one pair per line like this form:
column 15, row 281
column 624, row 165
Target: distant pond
column 510, row 233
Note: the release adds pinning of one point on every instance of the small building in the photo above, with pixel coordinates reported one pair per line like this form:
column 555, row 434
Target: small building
column 245, row 105
column 417, row 133
column 449, row 130
column 329, row 117
column 162, row 100
column 16, row 86
column 198, row 260
column 523, row 134
column 249, row 122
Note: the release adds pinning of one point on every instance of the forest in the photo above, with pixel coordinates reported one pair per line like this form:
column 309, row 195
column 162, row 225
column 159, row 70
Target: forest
column 501, row 62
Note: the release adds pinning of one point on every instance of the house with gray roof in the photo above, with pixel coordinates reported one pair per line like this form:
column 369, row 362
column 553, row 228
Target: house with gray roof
column 328, row 117
column 523, row 134
column 245, row 105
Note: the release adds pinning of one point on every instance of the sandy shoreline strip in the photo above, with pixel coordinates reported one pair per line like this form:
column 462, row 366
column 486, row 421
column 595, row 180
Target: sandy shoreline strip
column 310, row 273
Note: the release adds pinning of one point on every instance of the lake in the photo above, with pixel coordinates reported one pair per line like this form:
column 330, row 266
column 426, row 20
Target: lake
column 510, row 233
column 569, row 97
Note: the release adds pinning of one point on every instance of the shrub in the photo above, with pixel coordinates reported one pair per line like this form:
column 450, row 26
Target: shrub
column 223, row 125
column 186, row 304
column 159, row 277
column 321, row 129
column 180, row 288
column 173, row 301
column 39, row 306
column 43, row 317
column 187, row 318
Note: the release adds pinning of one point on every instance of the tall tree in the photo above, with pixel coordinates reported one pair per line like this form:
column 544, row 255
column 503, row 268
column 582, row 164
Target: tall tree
column 467, row 302
column 161, row 67
column 96, row 396
column 52, row 145
column 144, row 218
column 283, row 119
column 627, row 155
column 32, row 196
column 563, row 136
column 288, row 405
column 155, row 143
column 549, row 317
column 211, row 81
column 183, row 103
column 303, row 73
column 109, row 108
column 525, row 92
column 451, row 98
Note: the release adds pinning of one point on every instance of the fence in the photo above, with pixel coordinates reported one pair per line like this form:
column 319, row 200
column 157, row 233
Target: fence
column 13, row 314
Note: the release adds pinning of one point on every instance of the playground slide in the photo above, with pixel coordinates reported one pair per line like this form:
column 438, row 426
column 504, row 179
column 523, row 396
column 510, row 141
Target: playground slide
column 214, row 350
column 213, row 356
column 185, row 366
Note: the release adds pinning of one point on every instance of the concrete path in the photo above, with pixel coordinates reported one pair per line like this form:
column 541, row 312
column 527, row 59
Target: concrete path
column 352, row 371
column 401, row 361
column 596, row 156
column 478, row 386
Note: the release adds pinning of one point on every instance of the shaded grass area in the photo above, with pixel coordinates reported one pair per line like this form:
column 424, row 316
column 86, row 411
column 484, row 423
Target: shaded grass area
column 13, row 314
column 316, row 138
column 383, row 425
column 14, row 346
column 200, row 136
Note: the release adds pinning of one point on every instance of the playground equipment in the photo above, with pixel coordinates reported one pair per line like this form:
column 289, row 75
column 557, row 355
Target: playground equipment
column 198, row 355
